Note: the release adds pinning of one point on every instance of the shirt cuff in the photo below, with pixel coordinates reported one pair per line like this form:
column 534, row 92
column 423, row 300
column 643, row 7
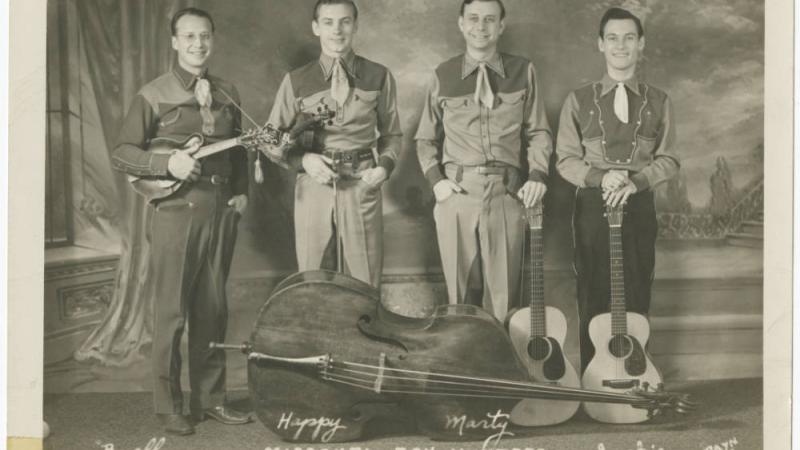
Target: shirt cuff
column 641, row 182
column 594, row 178
column 434, row 175
column 159, row 164
column 387, row 163
column 537, row 175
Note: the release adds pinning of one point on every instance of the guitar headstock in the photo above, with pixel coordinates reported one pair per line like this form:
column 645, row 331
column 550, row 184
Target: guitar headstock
column 533, row 216
column 614, row 215
column 658, row 400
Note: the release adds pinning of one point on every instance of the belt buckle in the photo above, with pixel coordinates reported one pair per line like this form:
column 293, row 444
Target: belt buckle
column 217, row 179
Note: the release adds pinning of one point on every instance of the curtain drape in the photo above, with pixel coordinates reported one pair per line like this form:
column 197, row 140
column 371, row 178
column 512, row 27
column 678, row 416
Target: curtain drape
column 127, row 44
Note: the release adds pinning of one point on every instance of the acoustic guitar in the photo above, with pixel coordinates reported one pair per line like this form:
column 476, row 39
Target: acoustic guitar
column 620, row 362
column 537, row 333
column 272, row 142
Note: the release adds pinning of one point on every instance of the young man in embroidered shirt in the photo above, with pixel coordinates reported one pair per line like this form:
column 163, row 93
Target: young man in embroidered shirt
column 358, row 151
column 483, row 122
column 615, row 143
column 194, row 229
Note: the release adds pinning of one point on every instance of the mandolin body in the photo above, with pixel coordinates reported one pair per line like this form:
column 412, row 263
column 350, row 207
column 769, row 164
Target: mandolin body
column 319, row 312
column 541, row 412
column 155, row 188
column 636, row 368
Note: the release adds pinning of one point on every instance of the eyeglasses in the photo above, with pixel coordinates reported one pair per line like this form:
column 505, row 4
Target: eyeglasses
column 191, row 37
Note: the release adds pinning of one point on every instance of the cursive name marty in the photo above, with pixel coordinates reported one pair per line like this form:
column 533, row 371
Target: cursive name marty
column 318, row 424
column 494, row 421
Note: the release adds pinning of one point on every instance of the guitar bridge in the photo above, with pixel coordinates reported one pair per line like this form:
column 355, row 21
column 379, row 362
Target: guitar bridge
column 621, row 384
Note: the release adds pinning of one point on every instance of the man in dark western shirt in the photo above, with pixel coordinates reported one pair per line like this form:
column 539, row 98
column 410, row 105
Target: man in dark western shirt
column 193, row 231
column 483, row 122
column 615, row 143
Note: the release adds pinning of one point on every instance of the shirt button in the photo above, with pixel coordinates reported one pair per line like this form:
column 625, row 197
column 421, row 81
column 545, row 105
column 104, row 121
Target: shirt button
column 604, row 142
column 601, row 122
column 634, row 142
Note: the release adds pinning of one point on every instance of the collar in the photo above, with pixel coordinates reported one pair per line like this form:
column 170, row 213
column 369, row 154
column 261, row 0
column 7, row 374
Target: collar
column 470, row 64
column 609, row 84
column 349, row 62
column 187, row 78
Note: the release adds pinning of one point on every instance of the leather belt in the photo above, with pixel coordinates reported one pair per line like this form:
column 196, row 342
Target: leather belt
column 349, row 156
column 484, row 170
column 214, row 179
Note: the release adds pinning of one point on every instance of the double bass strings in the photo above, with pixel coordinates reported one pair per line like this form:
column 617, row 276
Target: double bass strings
column 430, row 383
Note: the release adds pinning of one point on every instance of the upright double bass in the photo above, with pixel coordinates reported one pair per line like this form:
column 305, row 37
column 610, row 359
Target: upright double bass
column 324, row 356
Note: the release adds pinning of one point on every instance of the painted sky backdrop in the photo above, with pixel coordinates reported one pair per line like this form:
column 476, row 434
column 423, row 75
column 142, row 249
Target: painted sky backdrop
column 708, row 55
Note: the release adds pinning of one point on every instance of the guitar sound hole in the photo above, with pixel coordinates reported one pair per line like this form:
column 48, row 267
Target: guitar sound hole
column 539, row 348
column 620, row 346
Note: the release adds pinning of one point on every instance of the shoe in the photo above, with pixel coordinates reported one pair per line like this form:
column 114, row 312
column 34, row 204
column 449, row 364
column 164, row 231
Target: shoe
column 175, row 424
column 224, row 414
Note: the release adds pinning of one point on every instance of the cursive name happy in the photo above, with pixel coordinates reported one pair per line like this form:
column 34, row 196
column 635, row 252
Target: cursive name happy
column 318, row 424
column 493, row 421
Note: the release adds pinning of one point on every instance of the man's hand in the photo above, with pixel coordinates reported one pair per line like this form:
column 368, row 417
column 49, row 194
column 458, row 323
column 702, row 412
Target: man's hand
column 620, row 196
column 613, row 180
column 318, row 166
column 443, row 189
column 531, row 192
column 183, row 167
column 239, row 203
column 374, row 176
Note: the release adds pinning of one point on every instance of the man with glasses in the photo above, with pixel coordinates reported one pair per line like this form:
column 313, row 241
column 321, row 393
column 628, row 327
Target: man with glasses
column 483, row 122
column 193, row 231
column 356, row 153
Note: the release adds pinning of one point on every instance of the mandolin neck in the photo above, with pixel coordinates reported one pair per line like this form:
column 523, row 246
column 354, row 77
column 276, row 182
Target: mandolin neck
column 217, row 147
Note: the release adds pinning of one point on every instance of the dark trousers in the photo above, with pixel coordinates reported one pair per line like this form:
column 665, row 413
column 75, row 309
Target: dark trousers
column 192, row 236
column 639, row 229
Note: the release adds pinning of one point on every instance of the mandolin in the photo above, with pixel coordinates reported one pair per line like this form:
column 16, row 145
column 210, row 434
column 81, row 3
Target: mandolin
column 621, row 362
column 325, row 358
column 538, row 333
column 273, row 143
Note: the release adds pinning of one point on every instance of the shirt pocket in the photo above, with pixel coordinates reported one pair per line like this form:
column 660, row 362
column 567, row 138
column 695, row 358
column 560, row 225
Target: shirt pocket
column 170, row 118
column 312, row 103
column 363, row 104
column 508, row 113
column 460, row 114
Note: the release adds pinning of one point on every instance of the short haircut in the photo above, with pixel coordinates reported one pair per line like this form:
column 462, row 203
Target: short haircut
column 321, row 3
column 189, row 12
column 464, row 4
column 620, row 14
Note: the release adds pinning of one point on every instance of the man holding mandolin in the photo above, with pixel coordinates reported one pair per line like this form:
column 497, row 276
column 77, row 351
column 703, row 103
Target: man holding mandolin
column 193, row 229
column 615, row 143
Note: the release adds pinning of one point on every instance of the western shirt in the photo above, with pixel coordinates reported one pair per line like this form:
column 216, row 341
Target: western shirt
column 592, row 140
column 367, row 120
column 166, row 110
column 454, row 129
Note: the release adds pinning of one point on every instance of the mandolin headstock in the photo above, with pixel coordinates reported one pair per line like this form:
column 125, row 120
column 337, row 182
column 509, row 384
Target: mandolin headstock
column 658, row 400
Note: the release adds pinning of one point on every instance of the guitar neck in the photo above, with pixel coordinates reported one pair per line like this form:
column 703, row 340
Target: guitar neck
column 619, row 324
column 217, row 147
column 536, row 280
